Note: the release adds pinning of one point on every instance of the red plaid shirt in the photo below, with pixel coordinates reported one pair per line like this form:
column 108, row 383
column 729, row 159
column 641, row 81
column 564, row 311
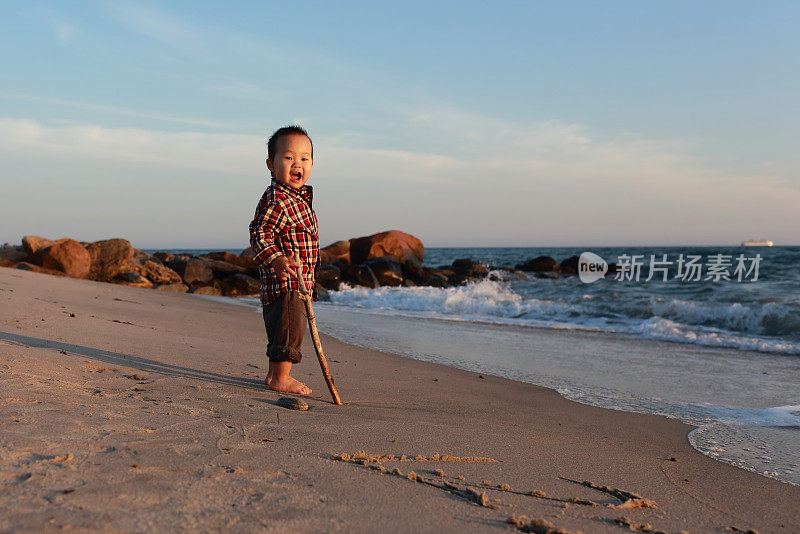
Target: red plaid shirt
column 285, row 221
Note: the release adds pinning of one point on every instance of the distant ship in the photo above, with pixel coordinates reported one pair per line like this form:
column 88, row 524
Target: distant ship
column 754, row 243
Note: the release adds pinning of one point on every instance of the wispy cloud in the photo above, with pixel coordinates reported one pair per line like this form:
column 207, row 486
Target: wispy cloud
column 502, row 183
column 160, row 25
column 218, row 46
column 190, row 39
column 63, row 29
column 127, row 112
column 207, row 152
column 560, row 183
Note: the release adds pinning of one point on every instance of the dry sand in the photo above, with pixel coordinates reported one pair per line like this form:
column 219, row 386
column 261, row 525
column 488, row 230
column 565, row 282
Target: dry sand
column 133, row 410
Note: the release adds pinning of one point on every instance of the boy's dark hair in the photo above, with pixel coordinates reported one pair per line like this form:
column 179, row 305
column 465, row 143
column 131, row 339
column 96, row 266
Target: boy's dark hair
column 286, row 130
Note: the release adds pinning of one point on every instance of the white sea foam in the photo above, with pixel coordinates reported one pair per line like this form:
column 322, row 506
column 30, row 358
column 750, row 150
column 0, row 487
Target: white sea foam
column 666, row 330
column 496, row 302
column 484, row 299
column 711, row 324
column 729, row 315
column 777, row 416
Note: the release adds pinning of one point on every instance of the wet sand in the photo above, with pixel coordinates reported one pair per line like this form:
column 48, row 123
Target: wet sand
column 133, row 410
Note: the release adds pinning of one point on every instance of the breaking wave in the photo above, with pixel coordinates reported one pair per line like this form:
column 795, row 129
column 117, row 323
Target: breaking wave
column 762, row 326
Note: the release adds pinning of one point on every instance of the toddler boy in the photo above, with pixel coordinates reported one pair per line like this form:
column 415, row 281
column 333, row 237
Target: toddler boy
column 285, row 238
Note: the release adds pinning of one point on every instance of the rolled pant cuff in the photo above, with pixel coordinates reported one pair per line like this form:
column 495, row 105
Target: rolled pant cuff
column 284, row 354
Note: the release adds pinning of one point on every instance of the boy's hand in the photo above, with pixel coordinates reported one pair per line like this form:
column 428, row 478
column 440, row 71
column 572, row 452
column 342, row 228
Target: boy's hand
column 285, row 266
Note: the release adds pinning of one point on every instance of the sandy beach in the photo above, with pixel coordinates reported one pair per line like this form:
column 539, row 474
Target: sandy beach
column 133, row 410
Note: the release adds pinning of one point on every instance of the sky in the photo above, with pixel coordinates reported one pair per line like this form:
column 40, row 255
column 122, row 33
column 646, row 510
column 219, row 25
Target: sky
column 462, row 123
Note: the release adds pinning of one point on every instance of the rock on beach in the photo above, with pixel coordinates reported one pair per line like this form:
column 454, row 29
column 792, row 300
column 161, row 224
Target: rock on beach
column 33, row 243
column 68, row 256
column 393, row 243
column 389, row 258
column 109, row 258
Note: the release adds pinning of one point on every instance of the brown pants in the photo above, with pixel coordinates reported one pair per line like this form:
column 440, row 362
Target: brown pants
column 285, row 320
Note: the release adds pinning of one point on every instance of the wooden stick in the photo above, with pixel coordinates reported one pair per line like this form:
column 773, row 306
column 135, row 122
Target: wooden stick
column 312, row 325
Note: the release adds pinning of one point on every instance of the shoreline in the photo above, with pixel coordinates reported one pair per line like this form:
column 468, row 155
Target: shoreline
column 646, row 380
column 200, row 425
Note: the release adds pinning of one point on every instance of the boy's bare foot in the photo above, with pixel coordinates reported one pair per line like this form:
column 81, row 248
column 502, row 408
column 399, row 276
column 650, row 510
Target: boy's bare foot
column 288, row 385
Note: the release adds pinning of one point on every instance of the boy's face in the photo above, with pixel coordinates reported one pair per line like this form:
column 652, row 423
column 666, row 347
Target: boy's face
column 293, row 162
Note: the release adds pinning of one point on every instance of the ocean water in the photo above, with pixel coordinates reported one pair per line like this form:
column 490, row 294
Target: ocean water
column 723, row 355
column 761, row 315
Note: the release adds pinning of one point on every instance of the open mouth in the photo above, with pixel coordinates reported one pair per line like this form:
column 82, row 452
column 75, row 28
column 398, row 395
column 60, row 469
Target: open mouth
column 296, row 175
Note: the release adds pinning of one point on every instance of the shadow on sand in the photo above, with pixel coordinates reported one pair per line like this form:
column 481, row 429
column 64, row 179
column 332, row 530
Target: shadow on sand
column 128, row 360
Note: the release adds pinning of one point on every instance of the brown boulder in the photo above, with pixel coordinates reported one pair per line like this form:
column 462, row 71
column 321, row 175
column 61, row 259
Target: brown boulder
column 174, row 288
column 109, row 258
column 247, row 259
column 224, row 256
column 68, row 256
column 326, row 257
column 339, row 251
column 7, row 263
column 207, row 290
column 25, row 266
column 133, row 279
column 221, row 268
column 163, row 257
column 193, row 271
column 360, row 275
column 141, row 255
column 32, row 244
column 467, row 271
column 467, row 267
column 329, row 276
column 437, row 279
column 387, row 270
column 569, row 266
column 415, row 272
column 240, row 285
column 13, row 255
column 540, row 264
column 133, row 264
column 197, row 272
column 396, row 244
column 159, row 274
